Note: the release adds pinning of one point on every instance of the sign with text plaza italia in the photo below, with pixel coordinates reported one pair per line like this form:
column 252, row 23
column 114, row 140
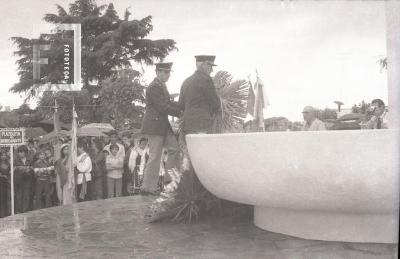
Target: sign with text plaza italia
column 12, row 136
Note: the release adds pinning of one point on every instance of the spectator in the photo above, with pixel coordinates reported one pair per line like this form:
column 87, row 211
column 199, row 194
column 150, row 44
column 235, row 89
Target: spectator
column 4, row 156
column 98, row 169
column 137, row 163
column 376, row 116
column 127, row 141
column 43, row 173
column 83, row 174
column 61, row 172
column 4, row 188
column 164, row 177
column 23, row 181
column 114, row 165
column 311, row 121
column 36, row 145
column 113, row 141
column 31, row 150
column 127, row 177
column 50, row 159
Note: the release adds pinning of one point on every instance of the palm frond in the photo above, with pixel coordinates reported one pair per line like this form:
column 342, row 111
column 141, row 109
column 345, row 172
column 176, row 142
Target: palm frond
column 233, row 96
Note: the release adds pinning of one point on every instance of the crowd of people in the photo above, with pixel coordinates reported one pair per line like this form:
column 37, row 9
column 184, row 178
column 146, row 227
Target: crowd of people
column 106, row 167
column 113, row 167
column 117, row 166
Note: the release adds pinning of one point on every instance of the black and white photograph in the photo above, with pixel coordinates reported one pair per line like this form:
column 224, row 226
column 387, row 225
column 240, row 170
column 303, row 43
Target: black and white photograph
column 203, row 129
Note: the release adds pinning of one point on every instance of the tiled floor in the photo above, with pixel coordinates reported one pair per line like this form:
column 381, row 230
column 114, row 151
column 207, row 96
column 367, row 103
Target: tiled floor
column 114, row 228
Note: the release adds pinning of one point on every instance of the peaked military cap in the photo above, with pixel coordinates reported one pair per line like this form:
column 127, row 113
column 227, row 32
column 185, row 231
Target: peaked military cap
column 164, row 66
column 206, row 58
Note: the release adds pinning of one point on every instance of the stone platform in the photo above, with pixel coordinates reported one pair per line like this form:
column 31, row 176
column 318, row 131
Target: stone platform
column 114, row 228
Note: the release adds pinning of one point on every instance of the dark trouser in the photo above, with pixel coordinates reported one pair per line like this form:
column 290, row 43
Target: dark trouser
column 97, row 188
column 125, row 182
column 89, row 192
column 54, row 196
column 4, row 198
column 43, row 194
column 23, row 194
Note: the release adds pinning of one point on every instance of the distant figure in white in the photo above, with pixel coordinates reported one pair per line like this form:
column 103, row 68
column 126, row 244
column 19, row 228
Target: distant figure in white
column 312, row 123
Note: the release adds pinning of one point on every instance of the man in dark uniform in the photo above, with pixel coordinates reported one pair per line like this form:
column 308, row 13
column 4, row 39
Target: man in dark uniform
column 158, row 129
column 198, row 98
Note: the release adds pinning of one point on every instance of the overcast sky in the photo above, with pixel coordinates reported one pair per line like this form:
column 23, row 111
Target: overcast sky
column 306, row 53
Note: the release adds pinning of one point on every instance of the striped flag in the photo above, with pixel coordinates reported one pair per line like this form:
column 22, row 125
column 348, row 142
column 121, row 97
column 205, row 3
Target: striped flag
column 259, row 105
column 250, row 104
column 256, row 103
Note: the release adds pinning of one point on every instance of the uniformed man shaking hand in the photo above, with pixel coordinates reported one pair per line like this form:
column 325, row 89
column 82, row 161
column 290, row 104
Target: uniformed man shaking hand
column 158, row 129
column 198, row 98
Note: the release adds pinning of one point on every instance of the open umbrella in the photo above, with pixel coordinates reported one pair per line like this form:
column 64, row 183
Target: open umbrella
column 90, row 132
column 103, row 127
column 52, row 136
column 132, row 132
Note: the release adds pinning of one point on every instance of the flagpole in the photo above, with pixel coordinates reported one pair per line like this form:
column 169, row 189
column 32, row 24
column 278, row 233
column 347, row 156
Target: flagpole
column 12, row 179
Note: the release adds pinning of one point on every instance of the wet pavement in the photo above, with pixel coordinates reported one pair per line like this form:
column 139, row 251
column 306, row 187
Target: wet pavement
column 115, row 228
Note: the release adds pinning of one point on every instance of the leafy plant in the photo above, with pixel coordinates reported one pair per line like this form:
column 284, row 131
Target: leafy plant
column 233, row 96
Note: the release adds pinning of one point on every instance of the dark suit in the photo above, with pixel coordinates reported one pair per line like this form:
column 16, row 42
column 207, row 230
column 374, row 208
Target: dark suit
column 200, row 102
column 158, row 107
column 158, row 129
column 23, row 182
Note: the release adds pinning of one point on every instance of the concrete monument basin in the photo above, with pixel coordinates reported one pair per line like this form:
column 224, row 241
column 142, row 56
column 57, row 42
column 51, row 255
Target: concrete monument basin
column 330, row 185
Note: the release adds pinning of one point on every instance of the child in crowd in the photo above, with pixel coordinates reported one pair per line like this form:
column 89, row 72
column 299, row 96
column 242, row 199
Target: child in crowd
column 137, row 162
column 115, row 168
column 31, row 150
column 43, row 172
column 83, row 173
column 4, row 188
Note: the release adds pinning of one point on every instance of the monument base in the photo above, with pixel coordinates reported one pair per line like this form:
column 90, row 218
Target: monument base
column 328, row 226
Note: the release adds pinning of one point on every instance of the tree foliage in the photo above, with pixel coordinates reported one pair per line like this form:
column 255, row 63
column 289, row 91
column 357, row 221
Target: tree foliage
column 65, row 101
column 108, row 44
column 360, row 108
column 121, row 98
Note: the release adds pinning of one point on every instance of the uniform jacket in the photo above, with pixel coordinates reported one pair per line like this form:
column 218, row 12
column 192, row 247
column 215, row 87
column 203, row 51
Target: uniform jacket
column 200, row 102
column 158, row 107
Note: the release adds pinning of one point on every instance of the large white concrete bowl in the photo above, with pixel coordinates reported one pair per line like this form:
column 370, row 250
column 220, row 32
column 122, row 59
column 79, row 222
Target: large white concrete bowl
column 331, row 185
